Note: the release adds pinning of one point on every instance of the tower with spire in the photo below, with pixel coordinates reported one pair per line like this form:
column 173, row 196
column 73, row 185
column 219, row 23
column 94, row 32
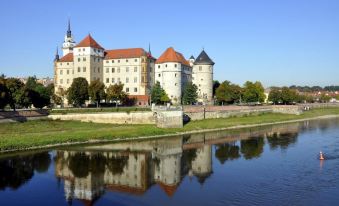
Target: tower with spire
column 202, row 77
column 69, row 43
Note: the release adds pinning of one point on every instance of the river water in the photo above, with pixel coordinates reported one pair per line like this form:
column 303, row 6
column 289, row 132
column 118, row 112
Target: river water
column 271, row 165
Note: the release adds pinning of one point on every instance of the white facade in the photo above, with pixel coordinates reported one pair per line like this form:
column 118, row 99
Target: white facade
column 202, row 77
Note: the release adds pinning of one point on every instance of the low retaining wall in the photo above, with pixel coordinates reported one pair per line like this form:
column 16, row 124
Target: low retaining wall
column 212, row 112
column 22, row 115
column 111, row 118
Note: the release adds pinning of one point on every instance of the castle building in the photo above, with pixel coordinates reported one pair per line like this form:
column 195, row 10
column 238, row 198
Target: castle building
column 136, row 68
column 173, row 72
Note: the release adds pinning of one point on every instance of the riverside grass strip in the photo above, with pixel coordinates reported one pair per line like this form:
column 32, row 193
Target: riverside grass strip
column 40, row 133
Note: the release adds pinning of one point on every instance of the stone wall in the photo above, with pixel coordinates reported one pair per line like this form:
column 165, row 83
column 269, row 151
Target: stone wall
column 22, row 115
column 169, row 119
column 111, row 118
column 211, row 112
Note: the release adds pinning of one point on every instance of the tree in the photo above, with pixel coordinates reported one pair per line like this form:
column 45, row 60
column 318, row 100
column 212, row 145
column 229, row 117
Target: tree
column 228, row 93
column 288, row 96
column 40, row 96
column 115, row 92
column 324, row 98
column 190, row 94
column 96, row 91
column 164, row 97
column 24, row 98
column 78, row 92
column 216, row 84
column 14, row 86
column 253, row 92
column 275, row 96
column 4, row 94
column 156, row 93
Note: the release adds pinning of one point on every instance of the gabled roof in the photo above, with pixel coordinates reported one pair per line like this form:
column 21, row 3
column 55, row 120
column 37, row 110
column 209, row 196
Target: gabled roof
column 192, row 57
column 67, row 58
column 88, row 41
column 204, row 59
column 170, row 55
column 124, row 53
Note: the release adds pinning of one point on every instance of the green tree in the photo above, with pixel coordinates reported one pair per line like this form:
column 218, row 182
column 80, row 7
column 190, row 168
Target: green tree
column 190, row 94
column 228, row 93
column 275, row 96
column 78, row 92
column 216, row 84
column 14, row 86
column 253, row 92
column 324, row 98
column 24, row 98
column 96, row 91
column 116, row 93
column 4, row 93
column 164, row 97
column 156, row 93
column 288, row 96
column 40, row 96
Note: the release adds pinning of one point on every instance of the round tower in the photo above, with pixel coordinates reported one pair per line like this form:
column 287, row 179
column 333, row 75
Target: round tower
column 202, row 77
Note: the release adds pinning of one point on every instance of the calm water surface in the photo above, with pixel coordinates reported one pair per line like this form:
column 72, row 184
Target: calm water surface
column 276, row 165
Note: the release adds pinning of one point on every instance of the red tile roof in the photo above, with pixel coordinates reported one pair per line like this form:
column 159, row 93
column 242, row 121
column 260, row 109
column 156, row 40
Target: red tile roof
column 170, row 55
column 88, row 41
column 124, row 53
column 168, row 189
column 67, row 58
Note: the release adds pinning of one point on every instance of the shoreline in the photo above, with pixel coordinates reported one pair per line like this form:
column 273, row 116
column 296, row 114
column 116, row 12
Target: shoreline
column 121, row 139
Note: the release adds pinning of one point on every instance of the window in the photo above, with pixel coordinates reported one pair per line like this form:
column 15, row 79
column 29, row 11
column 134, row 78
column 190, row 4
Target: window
column 84, row 69
column 107, row 80
column 79, row 50
column 118, row 70
column 84, row 59
column 166, row 65
column 118, row 81
column 135, row 79
column 113, row 80
column 61, row 81
column 79, row 69
column 150, row 69
column 127, row 80
column 135, row 89
column 127, row 69
column 113, row 70
column 67, row 71
column 142, row 79
column 61, row 72
column 143, row 69
column 107, row 61
column 67, row 63
column 67, row 81
column 127, row 89
column 200, row 68
column 135, row 60
column 159, row 75
column 175, row 74
column 119, row 61
column 175, row 65
column 107, row 70
column 175, row 84
column 83, row 49
column 112, row 61
column 158, row 66
column 79, row 60
column 135, row 69
column 126, row 60
column 98, row 69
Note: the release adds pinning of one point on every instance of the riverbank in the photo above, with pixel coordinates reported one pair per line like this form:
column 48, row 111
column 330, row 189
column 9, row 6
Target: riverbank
column 48, row 133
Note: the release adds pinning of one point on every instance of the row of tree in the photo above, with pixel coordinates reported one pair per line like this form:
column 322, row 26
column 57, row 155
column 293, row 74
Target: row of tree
column 229, row 93
column 314, row 88
column 16, row 94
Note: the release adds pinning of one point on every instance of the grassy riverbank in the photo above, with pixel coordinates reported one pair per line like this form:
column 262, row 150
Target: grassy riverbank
column 48, row 132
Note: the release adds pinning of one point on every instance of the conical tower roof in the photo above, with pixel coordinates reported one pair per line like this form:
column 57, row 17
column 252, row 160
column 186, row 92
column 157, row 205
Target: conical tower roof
column 203, row 59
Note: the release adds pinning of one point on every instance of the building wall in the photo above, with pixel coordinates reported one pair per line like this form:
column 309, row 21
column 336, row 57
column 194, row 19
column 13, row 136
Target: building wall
column 202, row 77
column 63, row 75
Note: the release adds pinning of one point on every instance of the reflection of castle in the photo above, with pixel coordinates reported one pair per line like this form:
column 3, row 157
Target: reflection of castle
column 133, row 167
column 88, row 174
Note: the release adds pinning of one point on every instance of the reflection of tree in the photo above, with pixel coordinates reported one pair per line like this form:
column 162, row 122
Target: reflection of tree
column 81, row 164
column 16, row 171
column 252, row 148
column 188, row 156
column 282, row 140
column 227, row 151
column 117, row 164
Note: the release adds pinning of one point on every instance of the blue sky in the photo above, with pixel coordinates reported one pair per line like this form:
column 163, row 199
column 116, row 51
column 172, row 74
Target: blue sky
column 278, row 42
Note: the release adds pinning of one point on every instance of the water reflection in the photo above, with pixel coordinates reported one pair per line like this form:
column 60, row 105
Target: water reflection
column 16, row 171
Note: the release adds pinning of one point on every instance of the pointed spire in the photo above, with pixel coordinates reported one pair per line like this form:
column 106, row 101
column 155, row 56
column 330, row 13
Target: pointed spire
column 69, row 32
column 149, row 48
column 56, row 55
